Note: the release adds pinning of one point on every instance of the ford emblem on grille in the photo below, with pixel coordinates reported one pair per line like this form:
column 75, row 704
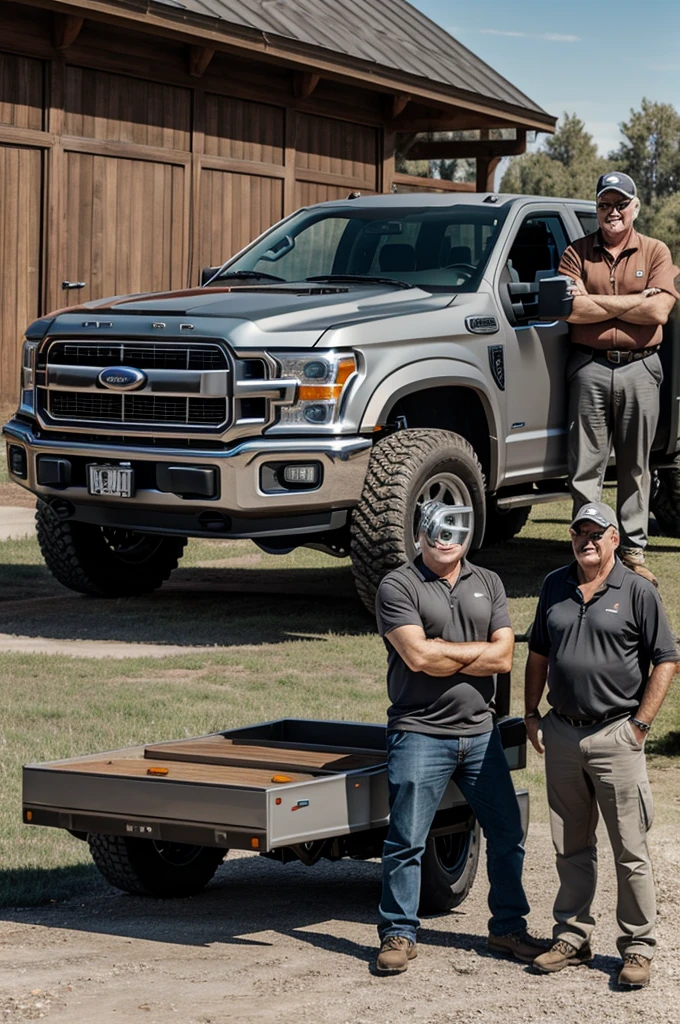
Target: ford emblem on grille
column 122, row 378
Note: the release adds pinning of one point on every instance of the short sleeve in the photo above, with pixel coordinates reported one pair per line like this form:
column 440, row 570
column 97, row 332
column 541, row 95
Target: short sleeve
column 539, row 638
column 395, row 606
column 571, row 264
column 662, row 272
column 657, row 636
column 500, row 614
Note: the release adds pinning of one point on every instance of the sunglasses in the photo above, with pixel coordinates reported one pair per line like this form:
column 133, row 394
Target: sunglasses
column 623, row 205
column 595, row 536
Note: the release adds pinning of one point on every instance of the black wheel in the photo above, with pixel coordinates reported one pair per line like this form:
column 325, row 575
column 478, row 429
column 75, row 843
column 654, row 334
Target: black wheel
column 104, row 561
column 503, row 525
column 405, row 470
column 448, row 870
column 665, row 500
column 149, row 867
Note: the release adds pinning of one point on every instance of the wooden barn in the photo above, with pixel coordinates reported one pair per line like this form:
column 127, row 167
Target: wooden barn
column 141, row 140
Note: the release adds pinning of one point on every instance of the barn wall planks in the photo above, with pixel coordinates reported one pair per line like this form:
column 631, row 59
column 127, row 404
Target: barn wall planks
column 20, row 223
column 121, row 170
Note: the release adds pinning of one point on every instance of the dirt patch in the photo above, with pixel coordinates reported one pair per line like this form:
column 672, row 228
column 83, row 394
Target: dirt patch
column 291, row 945
column 12, row 494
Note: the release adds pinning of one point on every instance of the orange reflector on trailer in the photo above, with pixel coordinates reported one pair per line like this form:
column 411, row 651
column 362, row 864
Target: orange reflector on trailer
column 29, row 815
column 255, row 843
column 277, row 801
column 281, row 778
column 157, row 771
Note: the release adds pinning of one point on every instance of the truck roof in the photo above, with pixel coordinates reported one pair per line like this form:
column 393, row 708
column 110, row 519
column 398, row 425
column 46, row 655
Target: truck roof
column 411, row 199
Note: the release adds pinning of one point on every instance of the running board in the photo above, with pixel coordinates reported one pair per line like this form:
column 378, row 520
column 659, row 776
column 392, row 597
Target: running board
column 532, row 498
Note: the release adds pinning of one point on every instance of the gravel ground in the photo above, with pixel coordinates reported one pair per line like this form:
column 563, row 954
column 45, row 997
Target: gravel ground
column 267, row 944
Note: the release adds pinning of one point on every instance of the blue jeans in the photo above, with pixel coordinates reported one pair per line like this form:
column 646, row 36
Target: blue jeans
column 419, row 768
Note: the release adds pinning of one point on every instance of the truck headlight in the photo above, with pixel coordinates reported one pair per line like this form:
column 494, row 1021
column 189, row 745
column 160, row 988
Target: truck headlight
column 27, row 383
column 321, row 382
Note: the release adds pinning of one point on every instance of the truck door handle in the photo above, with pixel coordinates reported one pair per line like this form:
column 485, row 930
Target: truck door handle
column 68, row 285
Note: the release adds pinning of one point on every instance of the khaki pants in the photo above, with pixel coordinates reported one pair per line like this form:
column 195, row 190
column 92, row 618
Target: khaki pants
column 601, row 767
column 613, row 407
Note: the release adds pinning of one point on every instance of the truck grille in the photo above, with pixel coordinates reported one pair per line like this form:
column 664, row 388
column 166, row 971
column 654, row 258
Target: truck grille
column 107, row 408
column 140, row 355
column 195, row 373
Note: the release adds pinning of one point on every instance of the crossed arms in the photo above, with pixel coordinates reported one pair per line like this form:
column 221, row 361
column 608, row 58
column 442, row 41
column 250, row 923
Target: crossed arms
column 651, row 306
column 438, row 657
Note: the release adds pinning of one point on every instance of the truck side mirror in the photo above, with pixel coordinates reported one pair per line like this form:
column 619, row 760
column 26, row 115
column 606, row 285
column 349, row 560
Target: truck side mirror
column 207, row 274
column 547, row 299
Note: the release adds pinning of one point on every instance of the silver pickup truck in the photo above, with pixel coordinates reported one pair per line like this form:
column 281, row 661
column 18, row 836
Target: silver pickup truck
column 357, row 358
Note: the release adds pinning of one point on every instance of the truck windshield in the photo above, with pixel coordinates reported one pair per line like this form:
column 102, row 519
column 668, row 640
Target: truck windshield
column 444, row 248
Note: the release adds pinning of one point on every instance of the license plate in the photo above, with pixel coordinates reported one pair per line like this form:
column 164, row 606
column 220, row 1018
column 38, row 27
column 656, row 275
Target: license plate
column 115, row 481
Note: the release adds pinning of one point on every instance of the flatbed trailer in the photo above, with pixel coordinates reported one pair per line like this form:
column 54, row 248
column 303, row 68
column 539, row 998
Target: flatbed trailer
column 160, row 818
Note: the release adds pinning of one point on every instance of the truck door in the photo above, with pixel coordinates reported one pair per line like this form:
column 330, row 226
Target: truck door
column 535, row 354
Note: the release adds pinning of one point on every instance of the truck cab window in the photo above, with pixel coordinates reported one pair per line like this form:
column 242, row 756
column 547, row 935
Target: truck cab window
column 538, row 246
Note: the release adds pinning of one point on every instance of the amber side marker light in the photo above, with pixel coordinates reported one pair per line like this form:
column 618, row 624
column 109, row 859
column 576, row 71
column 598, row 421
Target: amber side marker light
column 255, row 843
column 157, row 771
column 29, row 815
column 281, row 778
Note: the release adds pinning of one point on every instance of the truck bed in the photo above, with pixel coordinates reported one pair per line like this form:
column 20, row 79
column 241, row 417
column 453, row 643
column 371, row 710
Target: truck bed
column 267, row 786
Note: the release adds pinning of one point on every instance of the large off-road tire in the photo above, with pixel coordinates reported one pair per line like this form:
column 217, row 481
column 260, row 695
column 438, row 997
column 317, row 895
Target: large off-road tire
column 665, row 500
column 503, row 525
column 406, row 469
column 146, row 867
column 448, row 870
column 104, row 561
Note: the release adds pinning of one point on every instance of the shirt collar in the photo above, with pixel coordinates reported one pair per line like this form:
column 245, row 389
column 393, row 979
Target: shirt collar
column 633, row 242
column 428, row 576
column 615, row 578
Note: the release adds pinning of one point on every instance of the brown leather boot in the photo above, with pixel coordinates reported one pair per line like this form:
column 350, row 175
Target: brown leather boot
column 635, row 971
column 562, row 954
column 635, row 560
column 395, row 953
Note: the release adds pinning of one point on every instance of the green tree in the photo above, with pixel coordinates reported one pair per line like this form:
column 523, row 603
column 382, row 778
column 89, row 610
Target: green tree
column 568, row 165
column 664, row 223
column 650, row 152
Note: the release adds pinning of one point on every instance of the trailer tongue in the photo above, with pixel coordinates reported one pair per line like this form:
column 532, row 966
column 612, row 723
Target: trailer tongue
column 160, row 818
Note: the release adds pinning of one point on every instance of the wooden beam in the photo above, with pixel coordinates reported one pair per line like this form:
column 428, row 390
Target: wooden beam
column 486, row 170
column 397, row 104
column 66, row 29
column 199, row 58
column 304, row 83
column 458, row 150
column 455, row 121
column 433, row 184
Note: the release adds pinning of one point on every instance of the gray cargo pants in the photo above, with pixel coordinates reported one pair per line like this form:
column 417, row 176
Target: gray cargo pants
column 613, row 406
column 603, row 767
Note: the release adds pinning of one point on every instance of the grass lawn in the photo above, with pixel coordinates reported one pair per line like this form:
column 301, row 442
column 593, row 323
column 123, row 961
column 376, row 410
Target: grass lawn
column 291, row 639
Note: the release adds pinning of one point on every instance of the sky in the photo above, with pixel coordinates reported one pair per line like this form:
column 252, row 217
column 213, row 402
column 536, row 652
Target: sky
column 580, row 57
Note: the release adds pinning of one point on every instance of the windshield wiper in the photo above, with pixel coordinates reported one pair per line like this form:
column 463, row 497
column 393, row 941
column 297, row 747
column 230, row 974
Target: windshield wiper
column 250, row 273
column 360, row 279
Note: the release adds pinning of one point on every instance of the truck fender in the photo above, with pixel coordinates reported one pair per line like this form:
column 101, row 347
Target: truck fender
column 436, row 373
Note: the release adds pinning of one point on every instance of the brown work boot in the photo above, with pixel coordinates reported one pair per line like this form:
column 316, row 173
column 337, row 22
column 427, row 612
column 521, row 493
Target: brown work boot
column 521, row 945
column 395, row 953
column 560, row 955
column 635, row 971
column 634, row 558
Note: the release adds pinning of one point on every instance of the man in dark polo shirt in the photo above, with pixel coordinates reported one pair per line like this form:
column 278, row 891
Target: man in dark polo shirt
column 625, row 288
column 447, row 631
column 598, row 631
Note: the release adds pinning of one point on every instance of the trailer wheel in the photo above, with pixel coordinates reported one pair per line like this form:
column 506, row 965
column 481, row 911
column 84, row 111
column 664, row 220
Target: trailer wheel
column 105, row 561
column 665, row 500
column 149, row 867
column 405, row 470
column 448, row 869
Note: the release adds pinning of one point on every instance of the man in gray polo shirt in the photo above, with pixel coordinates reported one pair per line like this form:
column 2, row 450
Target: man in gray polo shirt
column 598, row 631
column 447, row 632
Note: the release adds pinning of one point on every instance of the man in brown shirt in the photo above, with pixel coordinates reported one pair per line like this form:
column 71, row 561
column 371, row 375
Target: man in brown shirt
column 624, row 290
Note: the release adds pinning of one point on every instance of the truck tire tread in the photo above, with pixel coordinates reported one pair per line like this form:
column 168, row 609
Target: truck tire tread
column 128, row 863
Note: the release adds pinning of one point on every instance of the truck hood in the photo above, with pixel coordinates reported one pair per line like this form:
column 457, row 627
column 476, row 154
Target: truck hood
column 261, row 316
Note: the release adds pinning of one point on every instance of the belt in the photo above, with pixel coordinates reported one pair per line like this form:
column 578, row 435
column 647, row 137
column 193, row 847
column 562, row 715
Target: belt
column 618, row 356
column 585, row 723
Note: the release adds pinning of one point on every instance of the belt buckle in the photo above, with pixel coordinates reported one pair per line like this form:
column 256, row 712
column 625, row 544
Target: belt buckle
column 614, row 356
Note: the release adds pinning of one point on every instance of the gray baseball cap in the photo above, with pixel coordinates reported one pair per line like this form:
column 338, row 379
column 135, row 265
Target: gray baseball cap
column 598, row 513
column 616, row 181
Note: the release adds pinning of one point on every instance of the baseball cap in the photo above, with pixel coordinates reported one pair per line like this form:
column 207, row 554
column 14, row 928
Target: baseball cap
column 598, row 513
column 616, row 181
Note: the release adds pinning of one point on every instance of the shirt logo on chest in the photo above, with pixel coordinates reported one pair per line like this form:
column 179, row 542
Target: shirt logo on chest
column 614, row 610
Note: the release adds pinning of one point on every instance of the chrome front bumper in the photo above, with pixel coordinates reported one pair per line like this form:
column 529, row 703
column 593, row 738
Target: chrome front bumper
column 240, row 496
